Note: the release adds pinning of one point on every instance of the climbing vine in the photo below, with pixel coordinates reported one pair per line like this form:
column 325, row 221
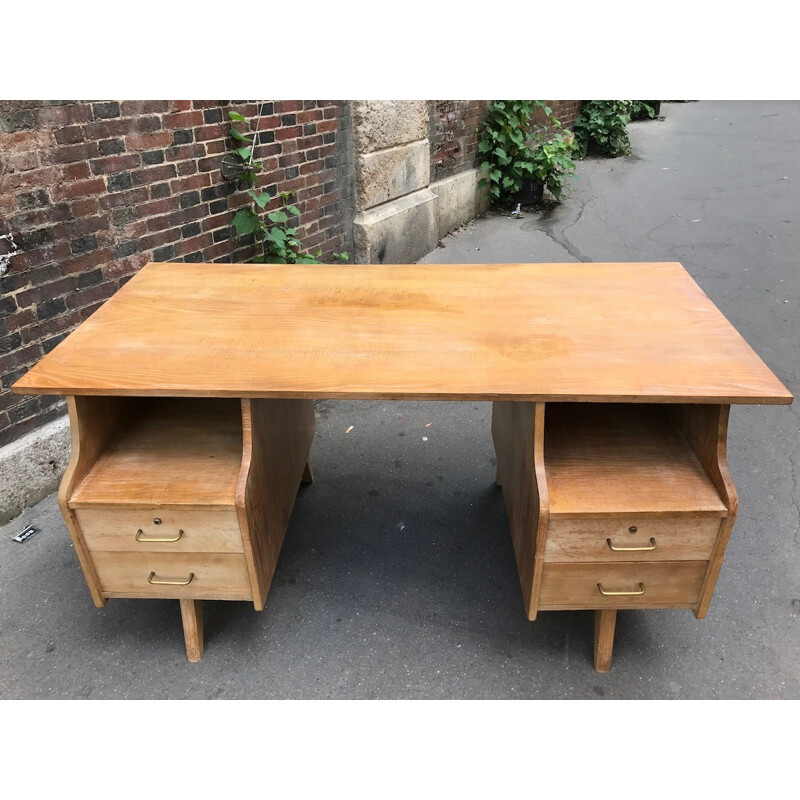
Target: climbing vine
column 275, row 231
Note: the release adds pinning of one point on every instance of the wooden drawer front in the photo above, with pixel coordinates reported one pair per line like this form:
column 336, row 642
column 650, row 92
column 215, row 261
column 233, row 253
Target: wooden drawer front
column 666, row 584
column 676, row 539
column 203, row 531
column 216, row 576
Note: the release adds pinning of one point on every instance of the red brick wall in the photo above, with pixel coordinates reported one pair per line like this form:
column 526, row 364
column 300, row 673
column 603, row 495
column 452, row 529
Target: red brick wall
column 456, row 126
column 92, row 191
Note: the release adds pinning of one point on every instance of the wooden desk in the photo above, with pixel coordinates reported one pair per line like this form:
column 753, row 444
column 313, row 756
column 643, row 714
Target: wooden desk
column 190, row 399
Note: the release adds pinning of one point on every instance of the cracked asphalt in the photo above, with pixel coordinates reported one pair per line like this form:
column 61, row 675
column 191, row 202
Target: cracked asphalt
column 397, row 576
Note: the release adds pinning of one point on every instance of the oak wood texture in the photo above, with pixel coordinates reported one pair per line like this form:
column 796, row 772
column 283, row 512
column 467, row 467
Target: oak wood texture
column 94, row 422
column 192, row 616
column 677, row 538
column 536, row 332
column 706, row 430
column 605, row 622
column 277, row 441
column 518, row 431
column 622, row 459
column 668, row 584
column 208, row 531
column 174, row 452
column 217, row 576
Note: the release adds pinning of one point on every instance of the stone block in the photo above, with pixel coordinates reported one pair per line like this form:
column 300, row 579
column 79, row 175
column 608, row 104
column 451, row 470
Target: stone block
column 391, row 173
column 459, row 199
column 398, row 232
column 378, row 124
column 31, row 467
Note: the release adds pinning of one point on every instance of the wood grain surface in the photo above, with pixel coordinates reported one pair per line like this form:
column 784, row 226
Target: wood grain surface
column 174, row 452
column 622, row 459
column 642, row 332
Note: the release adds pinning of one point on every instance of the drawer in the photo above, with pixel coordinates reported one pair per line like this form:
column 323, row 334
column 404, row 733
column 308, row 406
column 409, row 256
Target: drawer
column 611, row 539
column 133, row 530
column 215, row 576
column 666, row 584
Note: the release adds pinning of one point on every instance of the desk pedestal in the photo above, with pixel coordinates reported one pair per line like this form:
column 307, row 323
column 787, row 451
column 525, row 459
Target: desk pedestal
column 615, row 506
column 183, row 498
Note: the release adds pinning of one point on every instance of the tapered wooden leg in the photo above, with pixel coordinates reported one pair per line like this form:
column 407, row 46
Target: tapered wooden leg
column 497, row 477
column 192, row 615
column 308, row 473
column 605, row 621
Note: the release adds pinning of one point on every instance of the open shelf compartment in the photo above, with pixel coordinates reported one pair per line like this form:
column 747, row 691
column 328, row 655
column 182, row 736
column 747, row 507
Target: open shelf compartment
column 622, row 459
column 168, row 452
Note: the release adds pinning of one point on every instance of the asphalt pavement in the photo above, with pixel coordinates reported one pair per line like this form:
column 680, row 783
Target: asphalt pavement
column 397, row 577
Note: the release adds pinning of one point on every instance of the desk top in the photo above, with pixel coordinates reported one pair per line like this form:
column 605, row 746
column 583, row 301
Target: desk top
column 579, row 332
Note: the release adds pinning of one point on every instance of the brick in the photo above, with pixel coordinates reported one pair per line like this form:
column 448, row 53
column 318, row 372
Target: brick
column 184, row 119
column 27, row 240
column 84, row 208
column 289, row 133
column 135, row 108
column 72, row 134
column 123, row 216
column 111, row 164
column 71, row 153
column 164, row 253
column 107, row 110
column 124, row 249
column 102, row 291
column 90, row 278
column 189, row 199
column 122, row 127
column 49, row 308
column 182, row 136
column 123, row 198
column 184, row 152
column 285, row 106
column 40, row 216
column 192, row 229
column 120, row 182
column 186, row 168
column 76, row 172
column 218, row 206
column 83, row 244
column 19, row 162
column 159, row 239
column 110, row 147
column 212, row 115
column 152, row 175
column 159, row 190
column 153, row 157
column 61, row 116
column 149, row 141
column 19, row 358
column 85, row 262
column 70, row 191
column 35, row 199
column 25, row 140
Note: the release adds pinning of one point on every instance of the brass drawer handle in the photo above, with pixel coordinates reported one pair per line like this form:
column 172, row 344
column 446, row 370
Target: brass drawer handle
column 651, row 546
column 621, row 594
column 140, row 537
column 170, row 583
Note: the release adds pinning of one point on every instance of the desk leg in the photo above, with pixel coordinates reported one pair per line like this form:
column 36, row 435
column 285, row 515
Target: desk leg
column 308, row 473
column 192, row 615
column 605, row 621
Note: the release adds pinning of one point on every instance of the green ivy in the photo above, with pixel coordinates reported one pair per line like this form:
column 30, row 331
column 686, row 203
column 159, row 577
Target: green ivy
column 641, row 109
column 515, row 151
column 275, row 231
column 602, row 127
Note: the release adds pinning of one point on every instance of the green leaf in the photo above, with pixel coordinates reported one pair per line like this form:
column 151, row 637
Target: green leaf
column 236, row 135
column 245, row 221
column 277, row 216
column 293, row 210
column 260, row 199
column 235, row 115
column 244, row 152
